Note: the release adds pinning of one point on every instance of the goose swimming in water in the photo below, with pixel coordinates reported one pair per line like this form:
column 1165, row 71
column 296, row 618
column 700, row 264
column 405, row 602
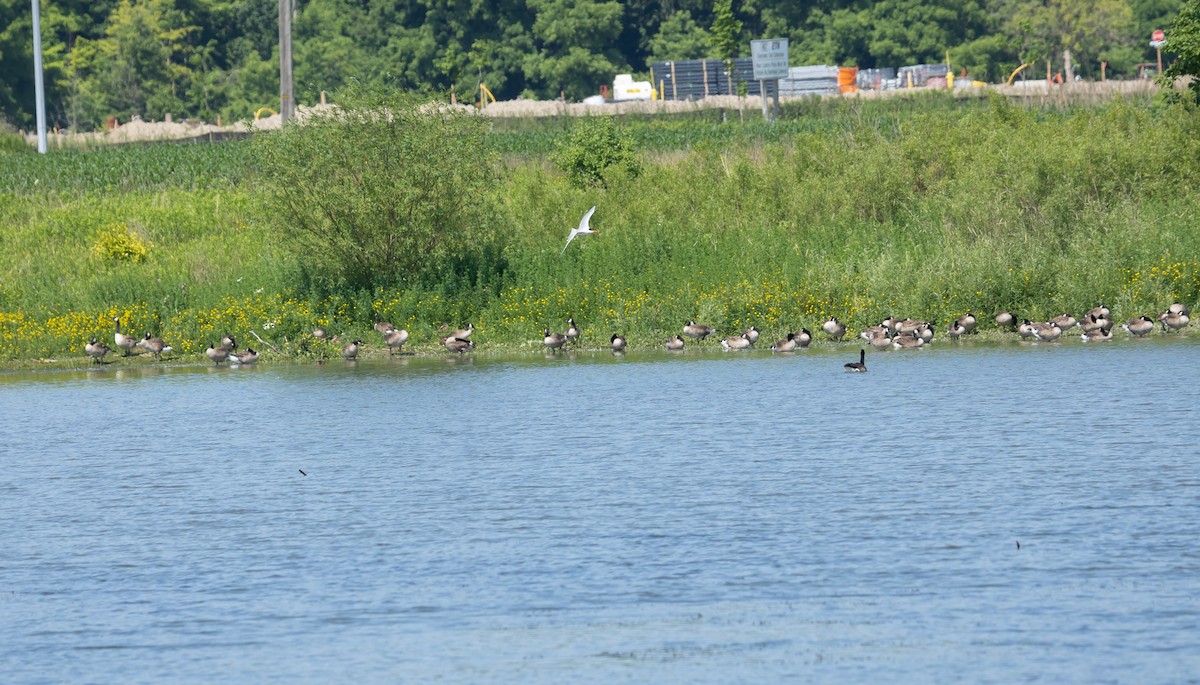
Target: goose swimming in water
column 859, row 366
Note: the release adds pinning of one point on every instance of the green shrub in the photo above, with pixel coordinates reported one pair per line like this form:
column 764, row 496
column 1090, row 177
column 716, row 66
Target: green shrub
column 381, row 190
column 594, row 145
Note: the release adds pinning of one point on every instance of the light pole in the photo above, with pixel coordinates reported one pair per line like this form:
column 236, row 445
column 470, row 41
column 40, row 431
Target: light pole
column 39, row 88
column 287, row 104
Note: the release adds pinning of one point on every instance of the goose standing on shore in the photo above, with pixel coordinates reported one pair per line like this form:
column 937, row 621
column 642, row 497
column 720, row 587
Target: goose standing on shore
column 1173, row 320
column 697, row 331
column 249, row 356
column 553, row 341
column 740, row 341
column 96, row 350
column 458, row 345
column 788, row 345
column 154, row 346
column 751, row 334
column 1005, row 319
column 1139, row 326
column 834, row 329
column 675, row 344
column 216, row 354
column 464, row 333
column 351, row 349
column 229, row 343
column 125, row 343
column 803, row 338
column 573, row 331
column 395, row 340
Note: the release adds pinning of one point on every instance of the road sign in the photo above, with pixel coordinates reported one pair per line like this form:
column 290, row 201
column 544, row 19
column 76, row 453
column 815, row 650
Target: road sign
column 770, row 58
column 1158, row 35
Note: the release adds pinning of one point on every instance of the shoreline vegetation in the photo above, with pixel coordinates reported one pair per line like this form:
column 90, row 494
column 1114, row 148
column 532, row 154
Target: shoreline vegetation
column 927, row 206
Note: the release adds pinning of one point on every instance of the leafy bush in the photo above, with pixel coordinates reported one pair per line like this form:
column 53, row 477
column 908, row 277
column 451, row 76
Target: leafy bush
column 381, row 190
column 118, row 244
column 594, row 145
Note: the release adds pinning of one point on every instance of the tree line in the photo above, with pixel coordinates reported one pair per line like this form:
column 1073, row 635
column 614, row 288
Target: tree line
column 206, row 59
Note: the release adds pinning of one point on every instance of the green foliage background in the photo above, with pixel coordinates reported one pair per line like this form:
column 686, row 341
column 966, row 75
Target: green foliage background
column 208, row 58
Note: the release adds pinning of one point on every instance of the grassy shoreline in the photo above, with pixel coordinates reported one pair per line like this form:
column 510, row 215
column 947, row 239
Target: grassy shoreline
column 925, row 207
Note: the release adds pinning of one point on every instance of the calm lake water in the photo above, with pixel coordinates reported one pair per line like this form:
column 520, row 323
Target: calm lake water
column 707, row 517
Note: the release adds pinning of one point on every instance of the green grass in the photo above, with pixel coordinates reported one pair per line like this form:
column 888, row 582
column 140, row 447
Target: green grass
column 925, row 207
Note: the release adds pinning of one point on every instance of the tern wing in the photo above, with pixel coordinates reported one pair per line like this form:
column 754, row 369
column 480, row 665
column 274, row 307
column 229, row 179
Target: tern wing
column 583, row 223
column 569, row 239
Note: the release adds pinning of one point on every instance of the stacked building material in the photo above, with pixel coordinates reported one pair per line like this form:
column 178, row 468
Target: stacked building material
column 918, row 75
column 877, row 79
column 811, row 80
column 700, row 78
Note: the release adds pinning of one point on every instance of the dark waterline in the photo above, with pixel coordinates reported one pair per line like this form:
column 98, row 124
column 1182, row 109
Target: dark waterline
column 693, row 518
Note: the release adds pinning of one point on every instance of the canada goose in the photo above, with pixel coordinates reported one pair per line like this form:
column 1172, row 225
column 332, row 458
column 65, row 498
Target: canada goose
column 395, row 339
column 956, row 330
column 697, row 331
column 1025, row 330
column 553, row 340
column 319, row 333
column 96, row 350
column 891, row 322
column 458, row 345
column 1139, row 326
column 871, row 331
column 154, row 346
column 350, row 349
column 1095, row 323
column 788, row 345
column 229, row 343
column 463, row 333
column 382, row 326
column 617, row 342
column 833, row 328
column 1047, row 331
column 675, row 344
column 249, row 356
column 1005, row 318
column 1063, row 321
column 1100, row 312
column 859, row 366
column 967, row 322
column 1179, row 308
column 803, row 338
column 737, row 342
column 880, row 341
column 925, row 332
column 1173, row 321
column 217, row 354
column 572, row 331
column 1096, row 335
column 751, row 334
column 125, row 342
column 906, row 326
column 906, row 342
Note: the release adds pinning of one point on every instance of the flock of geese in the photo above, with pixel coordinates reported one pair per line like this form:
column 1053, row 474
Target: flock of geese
column 1095, row 325
column 226, row 351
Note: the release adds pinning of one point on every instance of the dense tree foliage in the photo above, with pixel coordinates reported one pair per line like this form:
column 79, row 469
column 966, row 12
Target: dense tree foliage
column 209, row 58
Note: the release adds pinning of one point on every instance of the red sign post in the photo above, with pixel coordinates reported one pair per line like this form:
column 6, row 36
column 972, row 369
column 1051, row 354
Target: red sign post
column 1156, row 41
